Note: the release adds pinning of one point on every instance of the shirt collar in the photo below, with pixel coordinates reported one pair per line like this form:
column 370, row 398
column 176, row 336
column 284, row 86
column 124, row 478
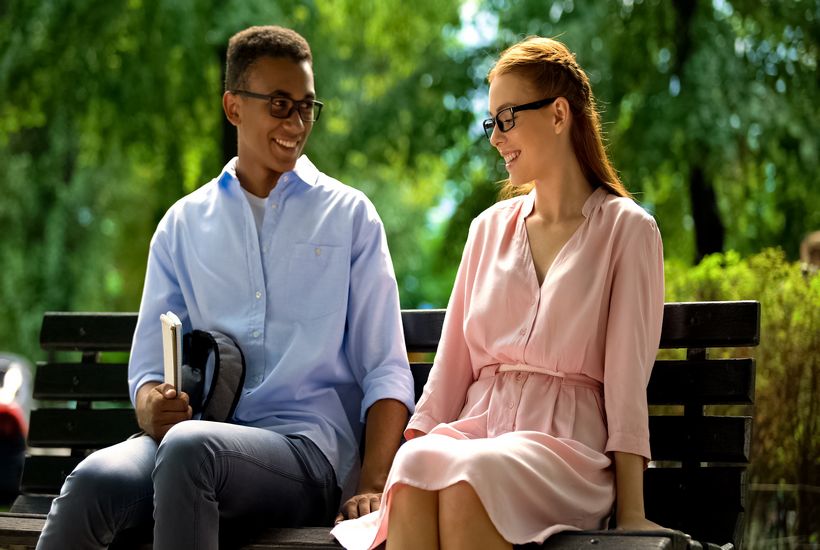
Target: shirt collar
column 304, row 172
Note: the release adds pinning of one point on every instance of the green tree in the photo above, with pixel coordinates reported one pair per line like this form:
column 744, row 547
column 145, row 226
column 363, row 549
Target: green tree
column 709, row 109
column 109, row 112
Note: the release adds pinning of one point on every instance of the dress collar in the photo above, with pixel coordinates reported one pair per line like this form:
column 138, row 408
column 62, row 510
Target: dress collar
column 594, row 200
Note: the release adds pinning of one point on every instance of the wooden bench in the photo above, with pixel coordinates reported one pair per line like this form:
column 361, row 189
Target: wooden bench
column 697, row 484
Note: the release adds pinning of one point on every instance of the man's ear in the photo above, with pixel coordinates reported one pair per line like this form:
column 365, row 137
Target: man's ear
column 561, row 115
column 230, row 104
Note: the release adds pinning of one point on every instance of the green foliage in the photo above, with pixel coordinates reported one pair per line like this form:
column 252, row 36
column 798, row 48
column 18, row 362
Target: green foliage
column 786, row 436
column 728, row 87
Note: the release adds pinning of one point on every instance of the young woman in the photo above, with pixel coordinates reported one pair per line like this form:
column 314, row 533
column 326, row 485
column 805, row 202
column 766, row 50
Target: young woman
column 534, row 417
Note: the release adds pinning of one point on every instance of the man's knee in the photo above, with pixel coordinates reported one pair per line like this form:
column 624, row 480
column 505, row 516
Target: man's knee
column 94, row 478
column 185, row 445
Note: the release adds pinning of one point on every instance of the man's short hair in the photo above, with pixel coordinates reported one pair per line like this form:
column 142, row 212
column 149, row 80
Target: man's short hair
column 246, row 46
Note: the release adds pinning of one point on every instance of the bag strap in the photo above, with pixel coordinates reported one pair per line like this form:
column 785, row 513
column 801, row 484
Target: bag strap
column 228, row 377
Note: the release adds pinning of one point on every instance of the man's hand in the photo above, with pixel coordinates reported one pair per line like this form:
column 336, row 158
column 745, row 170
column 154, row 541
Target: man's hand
column 360, row 505
column 159, row 407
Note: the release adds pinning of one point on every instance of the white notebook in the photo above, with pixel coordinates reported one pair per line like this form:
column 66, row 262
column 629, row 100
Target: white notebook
column 172, row 348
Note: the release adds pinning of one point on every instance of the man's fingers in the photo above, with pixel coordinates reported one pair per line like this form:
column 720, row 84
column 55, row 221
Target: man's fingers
column 350, row 509
column 360, row 505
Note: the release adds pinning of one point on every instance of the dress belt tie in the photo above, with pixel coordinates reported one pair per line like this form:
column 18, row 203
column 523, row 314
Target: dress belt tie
column 569, row 378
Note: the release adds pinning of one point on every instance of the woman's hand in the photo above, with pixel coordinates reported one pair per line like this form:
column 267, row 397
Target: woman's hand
column 638, row 523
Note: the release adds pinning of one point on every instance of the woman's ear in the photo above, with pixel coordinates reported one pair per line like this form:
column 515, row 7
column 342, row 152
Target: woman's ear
column 561, row 116
column 230, row 104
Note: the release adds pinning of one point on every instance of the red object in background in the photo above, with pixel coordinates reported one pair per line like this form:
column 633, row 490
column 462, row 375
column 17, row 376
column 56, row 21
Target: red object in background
column 12, row 422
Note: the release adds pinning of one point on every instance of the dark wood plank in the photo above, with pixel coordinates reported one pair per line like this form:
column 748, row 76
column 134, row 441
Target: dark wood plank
column 690, row 324
column 711, row 382
column 704, row 439
column 614, row 540
column 318, row 538
column 23, row 530
column 73, row 381
column 422, row 328
column 420, row 373
column 83, row 429
column 20, row 530
column 68, row 331
column 708, row 503
column 32, row 504
column 710, row 324
column 43, row 474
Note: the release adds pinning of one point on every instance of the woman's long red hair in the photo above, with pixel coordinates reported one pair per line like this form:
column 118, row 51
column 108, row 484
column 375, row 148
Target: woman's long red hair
column 552, row 68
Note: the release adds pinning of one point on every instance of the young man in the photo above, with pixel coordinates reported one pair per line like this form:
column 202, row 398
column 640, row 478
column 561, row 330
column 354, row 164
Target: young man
column 294, row 266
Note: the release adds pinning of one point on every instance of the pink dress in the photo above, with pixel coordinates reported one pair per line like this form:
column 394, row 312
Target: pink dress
column 533, row 388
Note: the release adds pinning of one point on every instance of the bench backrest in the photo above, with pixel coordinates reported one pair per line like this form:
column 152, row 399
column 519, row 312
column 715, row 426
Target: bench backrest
column 696, row 484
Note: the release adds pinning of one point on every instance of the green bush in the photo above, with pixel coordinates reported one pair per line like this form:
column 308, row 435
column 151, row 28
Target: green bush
column 786, row 434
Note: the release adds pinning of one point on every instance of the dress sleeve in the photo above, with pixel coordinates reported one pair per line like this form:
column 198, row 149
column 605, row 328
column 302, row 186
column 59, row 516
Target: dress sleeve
column 632, row 335
column 452, row 373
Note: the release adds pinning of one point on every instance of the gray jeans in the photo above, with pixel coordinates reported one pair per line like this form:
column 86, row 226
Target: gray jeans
column 201, row 472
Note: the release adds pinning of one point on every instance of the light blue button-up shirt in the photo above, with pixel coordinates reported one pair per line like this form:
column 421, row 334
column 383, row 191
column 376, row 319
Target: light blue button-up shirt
column 311, row 300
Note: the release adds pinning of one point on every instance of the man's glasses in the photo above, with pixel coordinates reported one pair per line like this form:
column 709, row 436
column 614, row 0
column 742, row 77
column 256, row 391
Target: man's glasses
column 282, row 107
column 505, row 119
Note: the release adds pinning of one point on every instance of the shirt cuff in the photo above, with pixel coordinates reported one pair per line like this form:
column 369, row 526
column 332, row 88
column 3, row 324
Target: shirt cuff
column 626, row 442
column 393, row 382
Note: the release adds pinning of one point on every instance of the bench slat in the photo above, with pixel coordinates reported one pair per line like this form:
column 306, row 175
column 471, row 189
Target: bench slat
column 704, row 439
column 24, row 530
column 422, row 329
column 45, row 474
column 681, row 499
column 689, row 324
column 711, row 382
column 710, row 324
column 81, row 429
column 72, row 381
column 68, row 331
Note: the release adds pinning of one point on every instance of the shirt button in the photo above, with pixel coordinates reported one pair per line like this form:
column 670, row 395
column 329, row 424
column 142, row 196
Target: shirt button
column 258, row 294
column 510, row 405
column 273, row 205
column 256, row 334
column 317, row 251
column 522, row 332
column 519, row 376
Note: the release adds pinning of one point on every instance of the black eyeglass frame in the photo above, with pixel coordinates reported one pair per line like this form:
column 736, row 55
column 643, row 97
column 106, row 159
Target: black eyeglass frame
column 491, row 123
column 315, row 103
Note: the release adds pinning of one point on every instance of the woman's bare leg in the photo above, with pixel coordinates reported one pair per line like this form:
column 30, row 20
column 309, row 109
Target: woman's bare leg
column 413, row 520
column 463, row 521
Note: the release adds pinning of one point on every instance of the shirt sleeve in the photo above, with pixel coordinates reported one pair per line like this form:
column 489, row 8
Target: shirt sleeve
column 374, row 339
column 161, row 293
column 633, row 334
column 452, row 373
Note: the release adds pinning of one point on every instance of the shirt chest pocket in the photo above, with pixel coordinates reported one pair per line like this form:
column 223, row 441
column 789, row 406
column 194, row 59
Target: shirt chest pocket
column 317, row 280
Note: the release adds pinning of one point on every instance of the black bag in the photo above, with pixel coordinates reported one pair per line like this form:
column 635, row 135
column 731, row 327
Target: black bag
column 212, row 352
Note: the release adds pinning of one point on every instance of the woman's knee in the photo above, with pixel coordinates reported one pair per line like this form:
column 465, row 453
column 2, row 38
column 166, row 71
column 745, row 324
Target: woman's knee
column 457, row 501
